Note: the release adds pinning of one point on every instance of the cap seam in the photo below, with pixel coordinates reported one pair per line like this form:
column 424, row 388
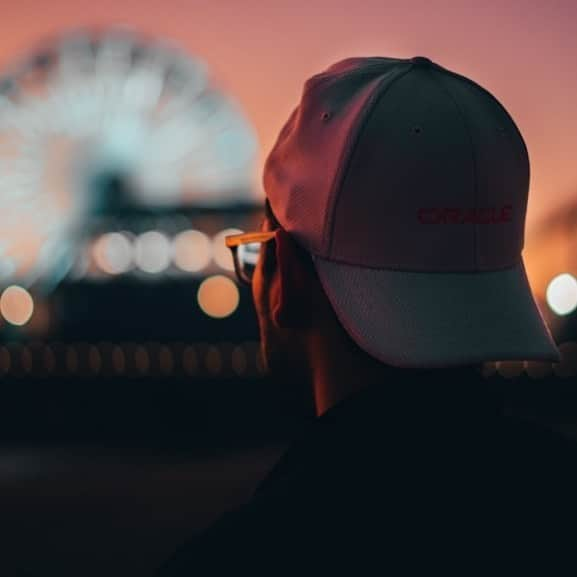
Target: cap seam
column 346, row 156
column 355, row 71
column 496, row 101
column 508, row 115
column 453, row 99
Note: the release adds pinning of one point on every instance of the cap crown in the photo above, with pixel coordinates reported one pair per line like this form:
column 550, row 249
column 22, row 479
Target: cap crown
column 402, row 165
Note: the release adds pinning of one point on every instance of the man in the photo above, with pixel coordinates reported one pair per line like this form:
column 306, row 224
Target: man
column 388, row 269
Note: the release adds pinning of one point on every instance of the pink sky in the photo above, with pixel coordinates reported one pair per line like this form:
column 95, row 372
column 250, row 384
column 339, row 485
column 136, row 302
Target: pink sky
column 523, row 51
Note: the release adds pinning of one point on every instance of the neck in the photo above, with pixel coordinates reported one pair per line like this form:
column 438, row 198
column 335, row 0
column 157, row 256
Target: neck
column 337, row 373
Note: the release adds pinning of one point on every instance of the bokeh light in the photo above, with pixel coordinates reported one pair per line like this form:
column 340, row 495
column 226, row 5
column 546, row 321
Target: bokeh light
column 190, row 360
column 213, row 360
column 488, row 369
column 118, row 359
column 221, row 253
column 192, row 250
column 48, row 360
column 72, row 360
column 16, row 305
column 25, row 359
column 510, row 369
column 218, row 296
column 538, row 369
column 238, row 360
column 562, row 294
column 94, row 359
column 165, row 359
column 153, row 252
column 113, row 253
column 141, row 359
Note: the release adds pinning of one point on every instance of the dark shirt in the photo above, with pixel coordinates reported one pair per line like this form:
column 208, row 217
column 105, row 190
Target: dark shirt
column 410, row 477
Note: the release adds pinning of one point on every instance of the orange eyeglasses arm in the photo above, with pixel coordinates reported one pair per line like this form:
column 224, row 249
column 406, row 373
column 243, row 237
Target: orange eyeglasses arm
column 247, row 238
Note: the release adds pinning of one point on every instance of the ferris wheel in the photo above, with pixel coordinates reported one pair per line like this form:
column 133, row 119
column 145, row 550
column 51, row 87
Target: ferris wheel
column 106, row 119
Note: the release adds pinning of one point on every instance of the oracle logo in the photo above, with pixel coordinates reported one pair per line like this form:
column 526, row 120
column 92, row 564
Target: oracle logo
column 485, row 215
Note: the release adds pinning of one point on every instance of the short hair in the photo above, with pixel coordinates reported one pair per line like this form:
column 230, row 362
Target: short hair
column 301, row 252
column 269, row 213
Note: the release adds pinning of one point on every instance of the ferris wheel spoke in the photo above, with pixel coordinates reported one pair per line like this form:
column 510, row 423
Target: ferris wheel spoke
column 94, row 109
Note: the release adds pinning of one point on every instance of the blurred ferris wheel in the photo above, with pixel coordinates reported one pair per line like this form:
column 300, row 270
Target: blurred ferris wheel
column 97, row 122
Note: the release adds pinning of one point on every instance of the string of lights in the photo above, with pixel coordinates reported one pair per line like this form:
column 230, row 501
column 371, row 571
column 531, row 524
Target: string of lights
column 154, row 252
column 131, row 359
column 203, row 359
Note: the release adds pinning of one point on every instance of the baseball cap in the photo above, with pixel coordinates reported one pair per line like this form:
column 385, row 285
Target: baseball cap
column 408, row 184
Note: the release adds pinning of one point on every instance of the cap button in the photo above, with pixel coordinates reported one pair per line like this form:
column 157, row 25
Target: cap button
column 421, row 61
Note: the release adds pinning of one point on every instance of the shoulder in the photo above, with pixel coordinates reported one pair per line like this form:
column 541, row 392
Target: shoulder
column 363, row 480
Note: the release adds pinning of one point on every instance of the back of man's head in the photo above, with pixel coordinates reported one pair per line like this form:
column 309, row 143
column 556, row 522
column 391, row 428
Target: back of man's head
column 407, row 185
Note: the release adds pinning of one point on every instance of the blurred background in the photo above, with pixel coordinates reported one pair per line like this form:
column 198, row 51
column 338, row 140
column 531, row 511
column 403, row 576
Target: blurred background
column 134, row 407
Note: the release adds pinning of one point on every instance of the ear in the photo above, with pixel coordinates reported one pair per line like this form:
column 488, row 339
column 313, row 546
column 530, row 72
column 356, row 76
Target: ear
column 292, row 308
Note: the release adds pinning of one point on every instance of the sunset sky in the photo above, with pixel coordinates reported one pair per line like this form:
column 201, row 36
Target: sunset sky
column 523, row 51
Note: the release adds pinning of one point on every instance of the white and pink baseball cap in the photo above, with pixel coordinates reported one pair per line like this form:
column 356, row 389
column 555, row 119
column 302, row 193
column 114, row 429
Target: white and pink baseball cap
column 408, row 184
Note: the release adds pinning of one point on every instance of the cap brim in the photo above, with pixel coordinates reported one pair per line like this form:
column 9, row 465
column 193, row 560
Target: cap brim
column 423, row 319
